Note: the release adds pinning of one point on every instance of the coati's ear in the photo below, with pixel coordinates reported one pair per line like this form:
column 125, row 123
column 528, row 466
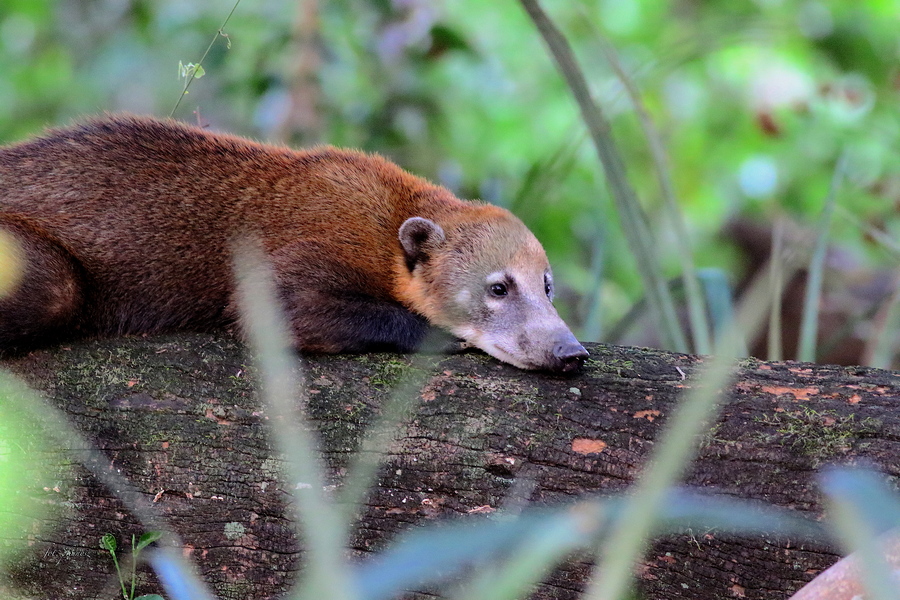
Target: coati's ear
column 419, row 238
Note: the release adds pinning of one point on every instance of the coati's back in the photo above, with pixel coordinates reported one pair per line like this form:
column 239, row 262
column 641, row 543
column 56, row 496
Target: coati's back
column 150, row 209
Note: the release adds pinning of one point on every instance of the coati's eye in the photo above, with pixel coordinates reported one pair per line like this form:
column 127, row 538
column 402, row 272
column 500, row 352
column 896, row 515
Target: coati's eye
column 548, row 288
column 499, row 289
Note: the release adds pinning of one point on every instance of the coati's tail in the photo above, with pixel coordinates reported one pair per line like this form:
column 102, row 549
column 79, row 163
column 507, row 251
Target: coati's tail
column 45, row 297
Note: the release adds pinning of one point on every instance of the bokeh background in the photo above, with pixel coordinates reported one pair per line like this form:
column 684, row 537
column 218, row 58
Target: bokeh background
column 754, row 101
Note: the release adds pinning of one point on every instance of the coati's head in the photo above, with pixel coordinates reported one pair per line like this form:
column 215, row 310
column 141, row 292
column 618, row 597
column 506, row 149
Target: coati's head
column 484, row 277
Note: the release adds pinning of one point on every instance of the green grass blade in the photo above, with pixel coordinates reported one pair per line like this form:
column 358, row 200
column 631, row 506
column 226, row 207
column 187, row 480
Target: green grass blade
column 363, row 469
column 885, row 241
column 67, row 437
column 719, row 298
column 534, row 558
column 634, row 222
column 592, row 330
column 884, row 341
column 860, row 508
column 697, row 317
column 675, row 449
column 176, row 575
column 319, row 522
column 809, row 325
column 774, row 349
column 511, row 554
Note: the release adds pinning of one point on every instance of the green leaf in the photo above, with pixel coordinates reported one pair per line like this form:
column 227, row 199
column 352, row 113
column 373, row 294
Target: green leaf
column 150, row 597
column 190, row 70
column 492, row 546
column 108, row 543
column 148, row 538
column 861, row 506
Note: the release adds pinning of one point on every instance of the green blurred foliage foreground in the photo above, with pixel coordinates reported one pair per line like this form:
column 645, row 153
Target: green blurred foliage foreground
column 755, row 102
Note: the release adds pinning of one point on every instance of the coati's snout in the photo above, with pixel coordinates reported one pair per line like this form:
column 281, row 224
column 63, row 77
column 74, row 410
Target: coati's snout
column 489, row 283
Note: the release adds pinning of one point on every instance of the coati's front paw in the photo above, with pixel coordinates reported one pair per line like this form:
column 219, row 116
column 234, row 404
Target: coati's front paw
column 456, row 346
column 438, row 341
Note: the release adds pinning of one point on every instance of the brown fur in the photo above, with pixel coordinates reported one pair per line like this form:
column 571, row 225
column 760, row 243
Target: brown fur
column 135, row 219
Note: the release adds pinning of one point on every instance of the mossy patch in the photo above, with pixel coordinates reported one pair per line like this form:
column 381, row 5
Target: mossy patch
column 820, row 434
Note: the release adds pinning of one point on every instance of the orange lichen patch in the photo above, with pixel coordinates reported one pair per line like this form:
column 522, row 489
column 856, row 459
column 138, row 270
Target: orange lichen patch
column 650, row 415
column 854, row 399
column 797, row 393
column 881, row 389
column 431, row 389
column 211, row 414
column 799, row 371
column 764, row 368
column 588, row 446
column 480, row 510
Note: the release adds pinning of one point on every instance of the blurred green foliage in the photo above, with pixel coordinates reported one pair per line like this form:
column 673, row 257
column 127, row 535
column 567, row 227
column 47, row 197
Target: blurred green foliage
column 25, row 479
column 755, row 101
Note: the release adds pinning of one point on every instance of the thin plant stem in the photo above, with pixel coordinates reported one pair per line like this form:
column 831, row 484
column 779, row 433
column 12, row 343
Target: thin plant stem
column 119, row 574
column 219, row 33
column 133, row 565
column 634, row 221
column 676, row 447
column 699, row 324
column 319, row 522
column 363, row 469
column 879, row 351
column 774, row 346
column 809, row 325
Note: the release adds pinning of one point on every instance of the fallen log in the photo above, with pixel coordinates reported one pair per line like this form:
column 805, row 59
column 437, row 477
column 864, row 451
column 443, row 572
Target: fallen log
column 179, row 417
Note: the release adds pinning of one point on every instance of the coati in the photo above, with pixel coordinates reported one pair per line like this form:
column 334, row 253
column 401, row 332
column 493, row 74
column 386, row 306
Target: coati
column 126, row 224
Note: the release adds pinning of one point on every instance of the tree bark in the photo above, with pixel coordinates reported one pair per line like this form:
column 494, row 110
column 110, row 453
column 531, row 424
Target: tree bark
column 178, row 416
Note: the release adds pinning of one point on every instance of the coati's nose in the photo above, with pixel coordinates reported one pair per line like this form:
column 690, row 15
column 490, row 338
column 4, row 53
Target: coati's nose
column 570, row 355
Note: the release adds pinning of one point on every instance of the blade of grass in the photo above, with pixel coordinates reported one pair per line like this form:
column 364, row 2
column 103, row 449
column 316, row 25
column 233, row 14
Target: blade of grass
column 774, row 348
column 592, row 331
column 68, row 438
column 177, row 576
column 884, row 240
column 534, row 558
column 319, row 522
column 719, row 300
column 697, row 316
column 510, row 554
column 675, row 448
column 634, row 222
column 809, row 325
column 853, row 499
column 882, row 345
column 364, row 465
